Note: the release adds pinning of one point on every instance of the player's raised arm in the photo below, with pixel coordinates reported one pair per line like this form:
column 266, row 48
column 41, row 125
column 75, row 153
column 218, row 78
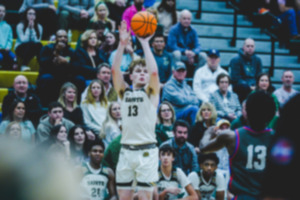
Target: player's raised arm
column 154, row 85
column 117, row 75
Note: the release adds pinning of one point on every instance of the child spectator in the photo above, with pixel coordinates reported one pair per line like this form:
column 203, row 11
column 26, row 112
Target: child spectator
column 208, row 181
column 173, row 183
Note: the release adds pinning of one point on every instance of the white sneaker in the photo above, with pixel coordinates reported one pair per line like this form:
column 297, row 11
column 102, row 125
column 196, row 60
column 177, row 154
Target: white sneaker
column 25, row 68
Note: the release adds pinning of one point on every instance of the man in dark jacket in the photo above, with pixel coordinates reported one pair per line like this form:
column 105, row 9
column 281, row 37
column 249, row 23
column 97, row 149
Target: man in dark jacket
column 32, row 102
column 244, row 69
column 55, row 69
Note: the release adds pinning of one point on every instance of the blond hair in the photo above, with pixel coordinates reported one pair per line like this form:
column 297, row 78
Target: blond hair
column 91, row 99
column 63, row 89
column 209, row 106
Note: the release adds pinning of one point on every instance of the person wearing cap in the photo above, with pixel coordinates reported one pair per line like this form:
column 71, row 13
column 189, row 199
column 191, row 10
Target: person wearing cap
column 226, row 102
column 183, row 41
column 180, row 94
column 204, row 81
column 244, row 69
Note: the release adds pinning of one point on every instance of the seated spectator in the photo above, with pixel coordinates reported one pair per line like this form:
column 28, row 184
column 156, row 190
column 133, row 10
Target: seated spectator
column 226, row 102
column 78, row 144
column 204, row 81
column 74, row 14
column 111, row 127
column 208, row 182
column 46, row 15
column 108, row 46
column 244, row 69
column 7, row 57
column 263, row 83
column 205, row 118
column 185, row 156
column 167, row 15
column 104, row 75
column 183, row 43
column 54, row 117
column 13, row 131
column 128, row 56
column 68, row 99
column 57, row 143
column 17, row 113
column 20, row 92
column 29, row 35
column 56, row 69
column 164, row 126
column 87, row 57
column 94, row 106
column 130, row 12
column 286, row 91
column 180, row 94
column 162, row 58
column 173, row 182
column 101, row 14
column 99, row 27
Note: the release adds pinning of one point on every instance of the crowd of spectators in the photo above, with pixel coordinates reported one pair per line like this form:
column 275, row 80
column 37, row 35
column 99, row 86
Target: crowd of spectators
column 76, row 112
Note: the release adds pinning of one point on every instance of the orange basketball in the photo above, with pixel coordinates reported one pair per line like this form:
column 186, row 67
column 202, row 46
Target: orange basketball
column 143, row 24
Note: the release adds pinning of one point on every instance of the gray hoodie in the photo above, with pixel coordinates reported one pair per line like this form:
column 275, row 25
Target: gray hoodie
column 44, row 127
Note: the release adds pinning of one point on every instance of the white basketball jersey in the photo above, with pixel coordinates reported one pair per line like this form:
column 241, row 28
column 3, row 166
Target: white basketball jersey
column 138, row 118
column 94, row 182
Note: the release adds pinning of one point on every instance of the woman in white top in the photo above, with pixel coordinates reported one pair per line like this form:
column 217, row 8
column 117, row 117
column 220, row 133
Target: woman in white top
column 94, row 106
column 17, row 113
column 29, row 34
column 111, row 125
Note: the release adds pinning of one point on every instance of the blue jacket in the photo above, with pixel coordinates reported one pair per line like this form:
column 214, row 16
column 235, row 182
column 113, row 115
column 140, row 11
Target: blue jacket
column 179, row 94
column 181, row 39
column 186, row 157
column 243, row 70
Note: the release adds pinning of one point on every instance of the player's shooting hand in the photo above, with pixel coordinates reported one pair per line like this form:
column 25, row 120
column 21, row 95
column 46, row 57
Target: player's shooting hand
column 124, row 34
column 145, row 40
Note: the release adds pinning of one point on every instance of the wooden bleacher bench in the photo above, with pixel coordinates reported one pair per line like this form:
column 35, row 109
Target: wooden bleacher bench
column 7, row 77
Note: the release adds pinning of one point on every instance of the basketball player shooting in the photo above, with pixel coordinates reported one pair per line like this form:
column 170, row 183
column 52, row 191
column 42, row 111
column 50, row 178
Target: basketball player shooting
column 138, row 160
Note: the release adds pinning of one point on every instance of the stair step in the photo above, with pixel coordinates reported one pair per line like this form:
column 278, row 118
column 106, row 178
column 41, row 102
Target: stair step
column 220, row 19
column 213, row 31
column 263, row 47
column 207, row 6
